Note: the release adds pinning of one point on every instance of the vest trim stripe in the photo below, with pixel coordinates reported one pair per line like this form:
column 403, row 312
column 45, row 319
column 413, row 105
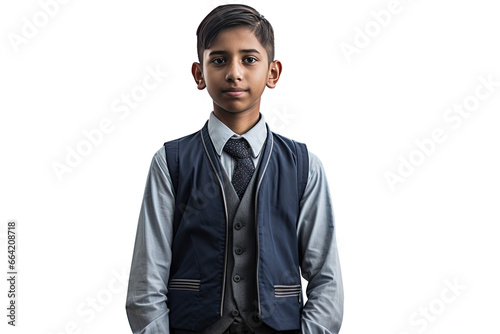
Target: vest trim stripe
column 281, row 291
column 225, row 212
column 257, row 224
column 184, row 284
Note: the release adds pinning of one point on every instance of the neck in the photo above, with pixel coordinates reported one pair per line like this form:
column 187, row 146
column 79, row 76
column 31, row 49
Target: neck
column 240, row 122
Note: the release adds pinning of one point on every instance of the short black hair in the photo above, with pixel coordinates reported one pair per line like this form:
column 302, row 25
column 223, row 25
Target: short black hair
column 232, row 15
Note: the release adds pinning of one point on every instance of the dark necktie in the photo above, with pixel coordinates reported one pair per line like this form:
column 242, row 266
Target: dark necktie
column 239, row 150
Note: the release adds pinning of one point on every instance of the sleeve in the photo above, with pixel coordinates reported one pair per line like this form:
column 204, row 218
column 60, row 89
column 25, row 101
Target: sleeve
column 323, row 311
column 146, row 305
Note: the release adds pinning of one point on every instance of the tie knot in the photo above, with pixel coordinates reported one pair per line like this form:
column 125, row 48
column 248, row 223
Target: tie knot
column 238, row 148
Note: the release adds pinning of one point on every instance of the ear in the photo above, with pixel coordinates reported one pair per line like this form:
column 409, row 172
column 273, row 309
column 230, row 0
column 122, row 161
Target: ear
column 274, row 73
column 198, row 75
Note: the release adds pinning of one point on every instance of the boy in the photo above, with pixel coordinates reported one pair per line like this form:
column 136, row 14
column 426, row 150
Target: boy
column 233, row 214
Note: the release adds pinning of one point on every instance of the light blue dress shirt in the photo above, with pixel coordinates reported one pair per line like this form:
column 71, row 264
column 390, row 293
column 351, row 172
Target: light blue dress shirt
column 146, row 305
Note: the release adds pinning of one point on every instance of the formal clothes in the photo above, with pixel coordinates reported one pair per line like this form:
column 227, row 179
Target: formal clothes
column 147, row 309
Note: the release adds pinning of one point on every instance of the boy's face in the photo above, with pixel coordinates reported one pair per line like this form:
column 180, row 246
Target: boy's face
column 236, row 72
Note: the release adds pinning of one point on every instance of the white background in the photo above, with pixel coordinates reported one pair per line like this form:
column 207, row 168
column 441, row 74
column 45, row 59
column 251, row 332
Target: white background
column 398, row 247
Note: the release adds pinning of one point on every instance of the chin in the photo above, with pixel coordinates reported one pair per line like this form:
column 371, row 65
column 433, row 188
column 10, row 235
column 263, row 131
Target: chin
column 233, row 110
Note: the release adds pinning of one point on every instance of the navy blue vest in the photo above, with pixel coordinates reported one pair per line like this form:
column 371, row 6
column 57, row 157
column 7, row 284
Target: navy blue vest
column 199, row 251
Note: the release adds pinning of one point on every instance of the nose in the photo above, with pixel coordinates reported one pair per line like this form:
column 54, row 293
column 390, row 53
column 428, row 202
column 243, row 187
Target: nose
column 234, row 71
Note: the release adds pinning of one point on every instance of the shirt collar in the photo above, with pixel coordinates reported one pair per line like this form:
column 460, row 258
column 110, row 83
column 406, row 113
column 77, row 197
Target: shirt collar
column 219, row 134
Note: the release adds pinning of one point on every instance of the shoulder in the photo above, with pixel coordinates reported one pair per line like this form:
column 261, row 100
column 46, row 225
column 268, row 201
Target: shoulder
column 286, row 140
column 183, row 139
column 159, row 162
column 317, row 177
column 158, row 170
column 296, row 148
column 315, row 164
column 160, row 154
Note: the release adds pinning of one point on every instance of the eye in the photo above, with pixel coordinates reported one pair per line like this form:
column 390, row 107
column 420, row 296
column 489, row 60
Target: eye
column 215, row 61
column 251, row 58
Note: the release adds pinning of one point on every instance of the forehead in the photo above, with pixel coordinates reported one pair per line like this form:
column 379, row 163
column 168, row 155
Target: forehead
column 234, row 39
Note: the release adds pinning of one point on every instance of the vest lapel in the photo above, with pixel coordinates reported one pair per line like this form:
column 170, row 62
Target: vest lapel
column 209, row 150
column 266, row 154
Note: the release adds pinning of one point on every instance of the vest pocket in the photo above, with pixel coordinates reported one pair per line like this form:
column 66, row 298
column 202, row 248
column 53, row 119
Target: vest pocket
column 184, row 284
column 287, row 290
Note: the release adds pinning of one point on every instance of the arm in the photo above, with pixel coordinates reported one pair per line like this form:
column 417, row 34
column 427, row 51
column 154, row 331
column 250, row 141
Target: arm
column 323, row 311
column 146, row 305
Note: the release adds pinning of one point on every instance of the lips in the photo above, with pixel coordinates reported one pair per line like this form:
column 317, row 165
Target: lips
column 234, row 92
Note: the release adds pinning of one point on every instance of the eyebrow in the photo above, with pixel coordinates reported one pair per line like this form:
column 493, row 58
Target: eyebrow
column 222, row 52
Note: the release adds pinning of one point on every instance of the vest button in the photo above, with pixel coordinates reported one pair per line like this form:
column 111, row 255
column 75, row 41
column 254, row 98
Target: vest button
column 238, row 250
column 235, row 313
column 238, row 226
column 237, row 278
